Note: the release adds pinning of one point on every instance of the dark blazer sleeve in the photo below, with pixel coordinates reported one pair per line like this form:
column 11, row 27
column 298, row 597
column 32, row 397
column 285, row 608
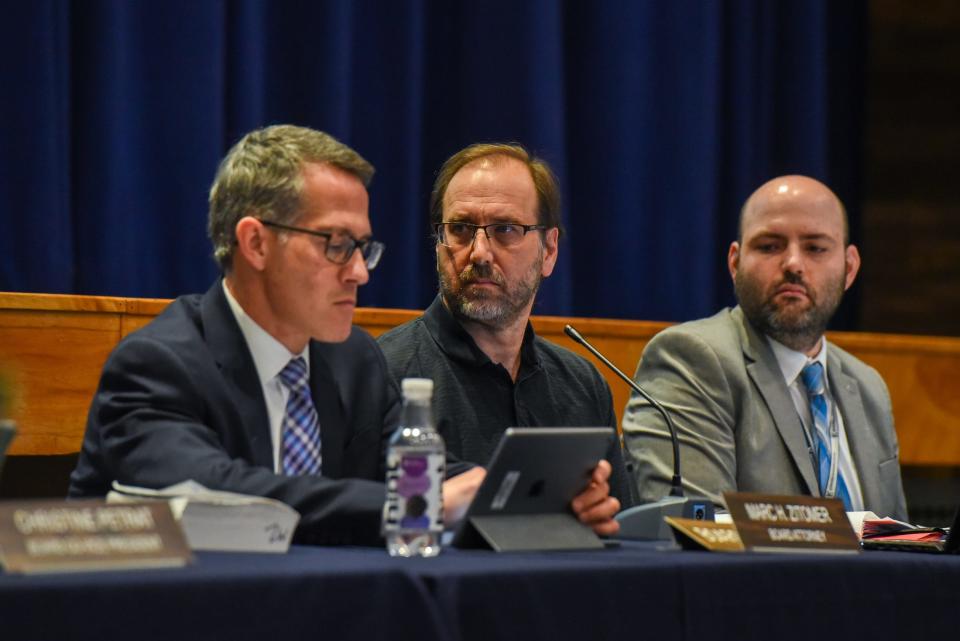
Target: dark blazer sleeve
column 166, row 412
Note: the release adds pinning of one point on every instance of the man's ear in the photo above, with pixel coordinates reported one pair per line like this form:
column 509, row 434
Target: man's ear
column 551, row 246
column 852, row 260
column 733, row 259
column 252, row 245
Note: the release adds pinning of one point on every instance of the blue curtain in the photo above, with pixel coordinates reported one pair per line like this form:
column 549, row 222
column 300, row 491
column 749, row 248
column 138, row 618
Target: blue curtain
column 658, row 116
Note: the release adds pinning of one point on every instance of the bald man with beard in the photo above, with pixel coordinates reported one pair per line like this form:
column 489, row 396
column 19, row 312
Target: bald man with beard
column 761, row 400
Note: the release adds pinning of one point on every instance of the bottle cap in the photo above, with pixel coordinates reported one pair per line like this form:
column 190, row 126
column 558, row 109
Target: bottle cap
column 417, row 388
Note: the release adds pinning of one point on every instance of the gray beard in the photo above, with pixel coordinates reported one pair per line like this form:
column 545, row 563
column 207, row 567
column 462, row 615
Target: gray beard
column 499, row 309
column 800, row 331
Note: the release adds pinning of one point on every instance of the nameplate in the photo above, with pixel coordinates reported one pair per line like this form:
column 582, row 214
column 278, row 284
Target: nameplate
column 68, row 536
column 694, row 534
column 768, row 523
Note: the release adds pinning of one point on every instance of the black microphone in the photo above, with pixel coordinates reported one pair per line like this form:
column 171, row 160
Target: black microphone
column 646, row 521
column 676, row 484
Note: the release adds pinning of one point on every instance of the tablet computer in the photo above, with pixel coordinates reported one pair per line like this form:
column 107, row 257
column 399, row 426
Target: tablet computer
column 524, row 501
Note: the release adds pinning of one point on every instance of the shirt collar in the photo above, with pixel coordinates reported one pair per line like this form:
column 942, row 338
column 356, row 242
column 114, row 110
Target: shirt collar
column 270, row 356
column 792, row 362
column 457, row 343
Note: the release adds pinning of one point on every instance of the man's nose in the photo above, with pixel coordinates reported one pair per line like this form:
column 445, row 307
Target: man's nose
column 481, row 250
column 355, row 271
column 793, row 259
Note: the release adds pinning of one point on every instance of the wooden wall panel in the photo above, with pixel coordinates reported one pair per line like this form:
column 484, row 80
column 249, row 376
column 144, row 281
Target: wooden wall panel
column 56, row 346
column 54, row 359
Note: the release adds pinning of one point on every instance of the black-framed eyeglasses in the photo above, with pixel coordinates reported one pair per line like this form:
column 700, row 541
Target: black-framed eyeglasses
column 341, row 250
column 457, row 235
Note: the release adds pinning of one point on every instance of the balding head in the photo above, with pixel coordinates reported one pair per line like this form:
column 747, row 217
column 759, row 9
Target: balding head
column 793, row 260
column 793, row 193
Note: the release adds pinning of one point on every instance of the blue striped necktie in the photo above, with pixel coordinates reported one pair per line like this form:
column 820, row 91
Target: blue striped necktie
column 812, row 376
column 300, row 446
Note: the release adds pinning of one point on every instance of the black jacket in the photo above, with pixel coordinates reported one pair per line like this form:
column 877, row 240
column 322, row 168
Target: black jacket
column 180, row 399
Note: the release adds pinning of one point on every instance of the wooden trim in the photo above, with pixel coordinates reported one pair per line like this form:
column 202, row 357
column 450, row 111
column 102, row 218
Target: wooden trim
column 54, row 346
column 61, row 303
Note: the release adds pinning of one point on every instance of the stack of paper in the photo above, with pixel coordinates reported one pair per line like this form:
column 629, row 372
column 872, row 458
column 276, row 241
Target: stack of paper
column 223, row 521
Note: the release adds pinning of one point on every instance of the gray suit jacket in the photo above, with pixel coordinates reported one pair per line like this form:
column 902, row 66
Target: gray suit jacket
column 738, row 427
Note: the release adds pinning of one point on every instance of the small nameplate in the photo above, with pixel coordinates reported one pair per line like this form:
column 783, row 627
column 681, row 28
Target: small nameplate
column 67, row 536
column 769, row 523
column 693, row 534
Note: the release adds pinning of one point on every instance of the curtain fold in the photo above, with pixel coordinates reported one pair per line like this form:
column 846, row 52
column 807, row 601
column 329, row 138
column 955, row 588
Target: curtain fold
column 658, row 117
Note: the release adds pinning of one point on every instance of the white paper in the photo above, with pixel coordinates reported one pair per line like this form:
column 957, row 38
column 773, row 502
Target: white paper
column 221, row 521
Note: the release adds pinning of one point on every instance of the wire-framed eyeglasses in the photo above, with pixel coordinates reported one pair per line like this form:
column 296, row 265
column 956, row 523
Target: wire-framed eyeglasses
column 457, row 235
column 339, row 251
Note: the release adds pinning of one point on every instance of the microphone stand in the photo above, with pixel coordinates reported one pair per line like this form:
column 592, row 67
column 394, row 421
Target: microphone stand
column 646, row 521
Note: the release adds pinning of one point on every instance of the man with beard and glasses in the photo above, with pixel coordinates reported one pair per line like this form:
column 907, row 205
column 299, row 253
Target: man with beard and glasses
column 761, row 400
column 495, row 211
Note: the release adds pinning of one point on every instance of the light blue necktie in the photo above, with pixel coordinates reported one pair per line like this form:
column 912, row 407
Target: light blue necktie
column 300, row 446
column 812, row 376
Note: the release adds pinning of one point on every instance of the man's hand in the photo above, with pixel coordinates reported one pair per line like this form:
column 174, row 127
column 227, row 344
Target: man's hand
column 459, row 491
column 594, row 506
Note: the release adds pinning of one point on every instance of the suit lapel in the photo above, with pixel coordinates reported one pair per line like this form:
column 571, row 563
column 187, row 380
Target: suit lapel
column 326, row 399
column 766, row 375
column 233, row 357
column 863, row 445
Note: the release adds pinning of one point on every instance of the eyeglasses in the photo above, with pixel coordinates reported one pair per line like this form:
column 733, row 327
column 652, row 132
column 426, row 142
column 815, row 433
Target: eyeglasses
column 459, row 235
column 341, row 251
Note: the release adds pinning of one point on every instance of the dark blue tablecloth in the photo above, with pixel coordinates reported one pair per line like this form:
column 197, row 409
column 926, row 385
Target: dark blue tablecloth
column 634, row 592
column 310, row 593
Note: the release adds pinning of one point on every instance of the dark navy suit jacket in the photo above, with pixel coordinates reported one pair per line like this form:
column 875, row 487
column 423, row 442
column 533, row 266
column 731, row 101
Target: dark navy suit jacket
column 180, row 399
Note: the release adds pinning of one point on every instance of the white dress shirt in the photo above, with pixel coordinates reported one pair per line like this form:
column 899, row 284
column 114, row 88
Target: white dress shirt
column 270, row 357
column 791, row 365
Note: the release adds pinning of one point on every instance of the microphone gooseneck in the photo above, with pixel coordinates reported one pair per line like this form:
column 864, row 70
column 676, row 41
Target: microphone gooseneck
column 676, row 484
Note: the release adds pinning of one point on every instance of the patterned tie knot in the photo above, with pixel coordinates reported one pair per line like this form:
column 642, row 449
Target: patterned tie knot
column 812, row 376
column 294, row 375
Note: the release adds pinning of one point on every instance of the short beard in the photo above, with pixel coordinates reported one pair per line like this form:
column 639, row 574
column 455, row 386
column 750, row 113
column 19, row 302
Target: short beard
column 800, row 330
column 497, row 310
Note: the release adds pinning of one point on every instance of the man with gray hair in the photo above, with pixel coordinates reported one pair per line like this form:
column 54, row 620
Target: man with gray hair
column 262, row 385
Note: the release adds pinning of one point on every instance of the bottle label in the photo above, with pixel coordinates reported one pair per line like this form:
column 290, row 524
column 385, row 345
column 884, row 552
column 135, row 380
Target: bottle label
column 414, row 491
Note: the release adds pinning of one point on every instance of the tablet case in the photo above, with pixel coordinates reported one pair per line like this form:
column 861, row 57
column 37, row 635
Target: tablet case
column 523, row 503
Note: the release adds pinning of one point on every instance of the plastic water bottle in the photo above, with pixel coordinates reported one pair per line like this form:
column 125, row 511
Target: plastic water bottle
column 416, row 461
